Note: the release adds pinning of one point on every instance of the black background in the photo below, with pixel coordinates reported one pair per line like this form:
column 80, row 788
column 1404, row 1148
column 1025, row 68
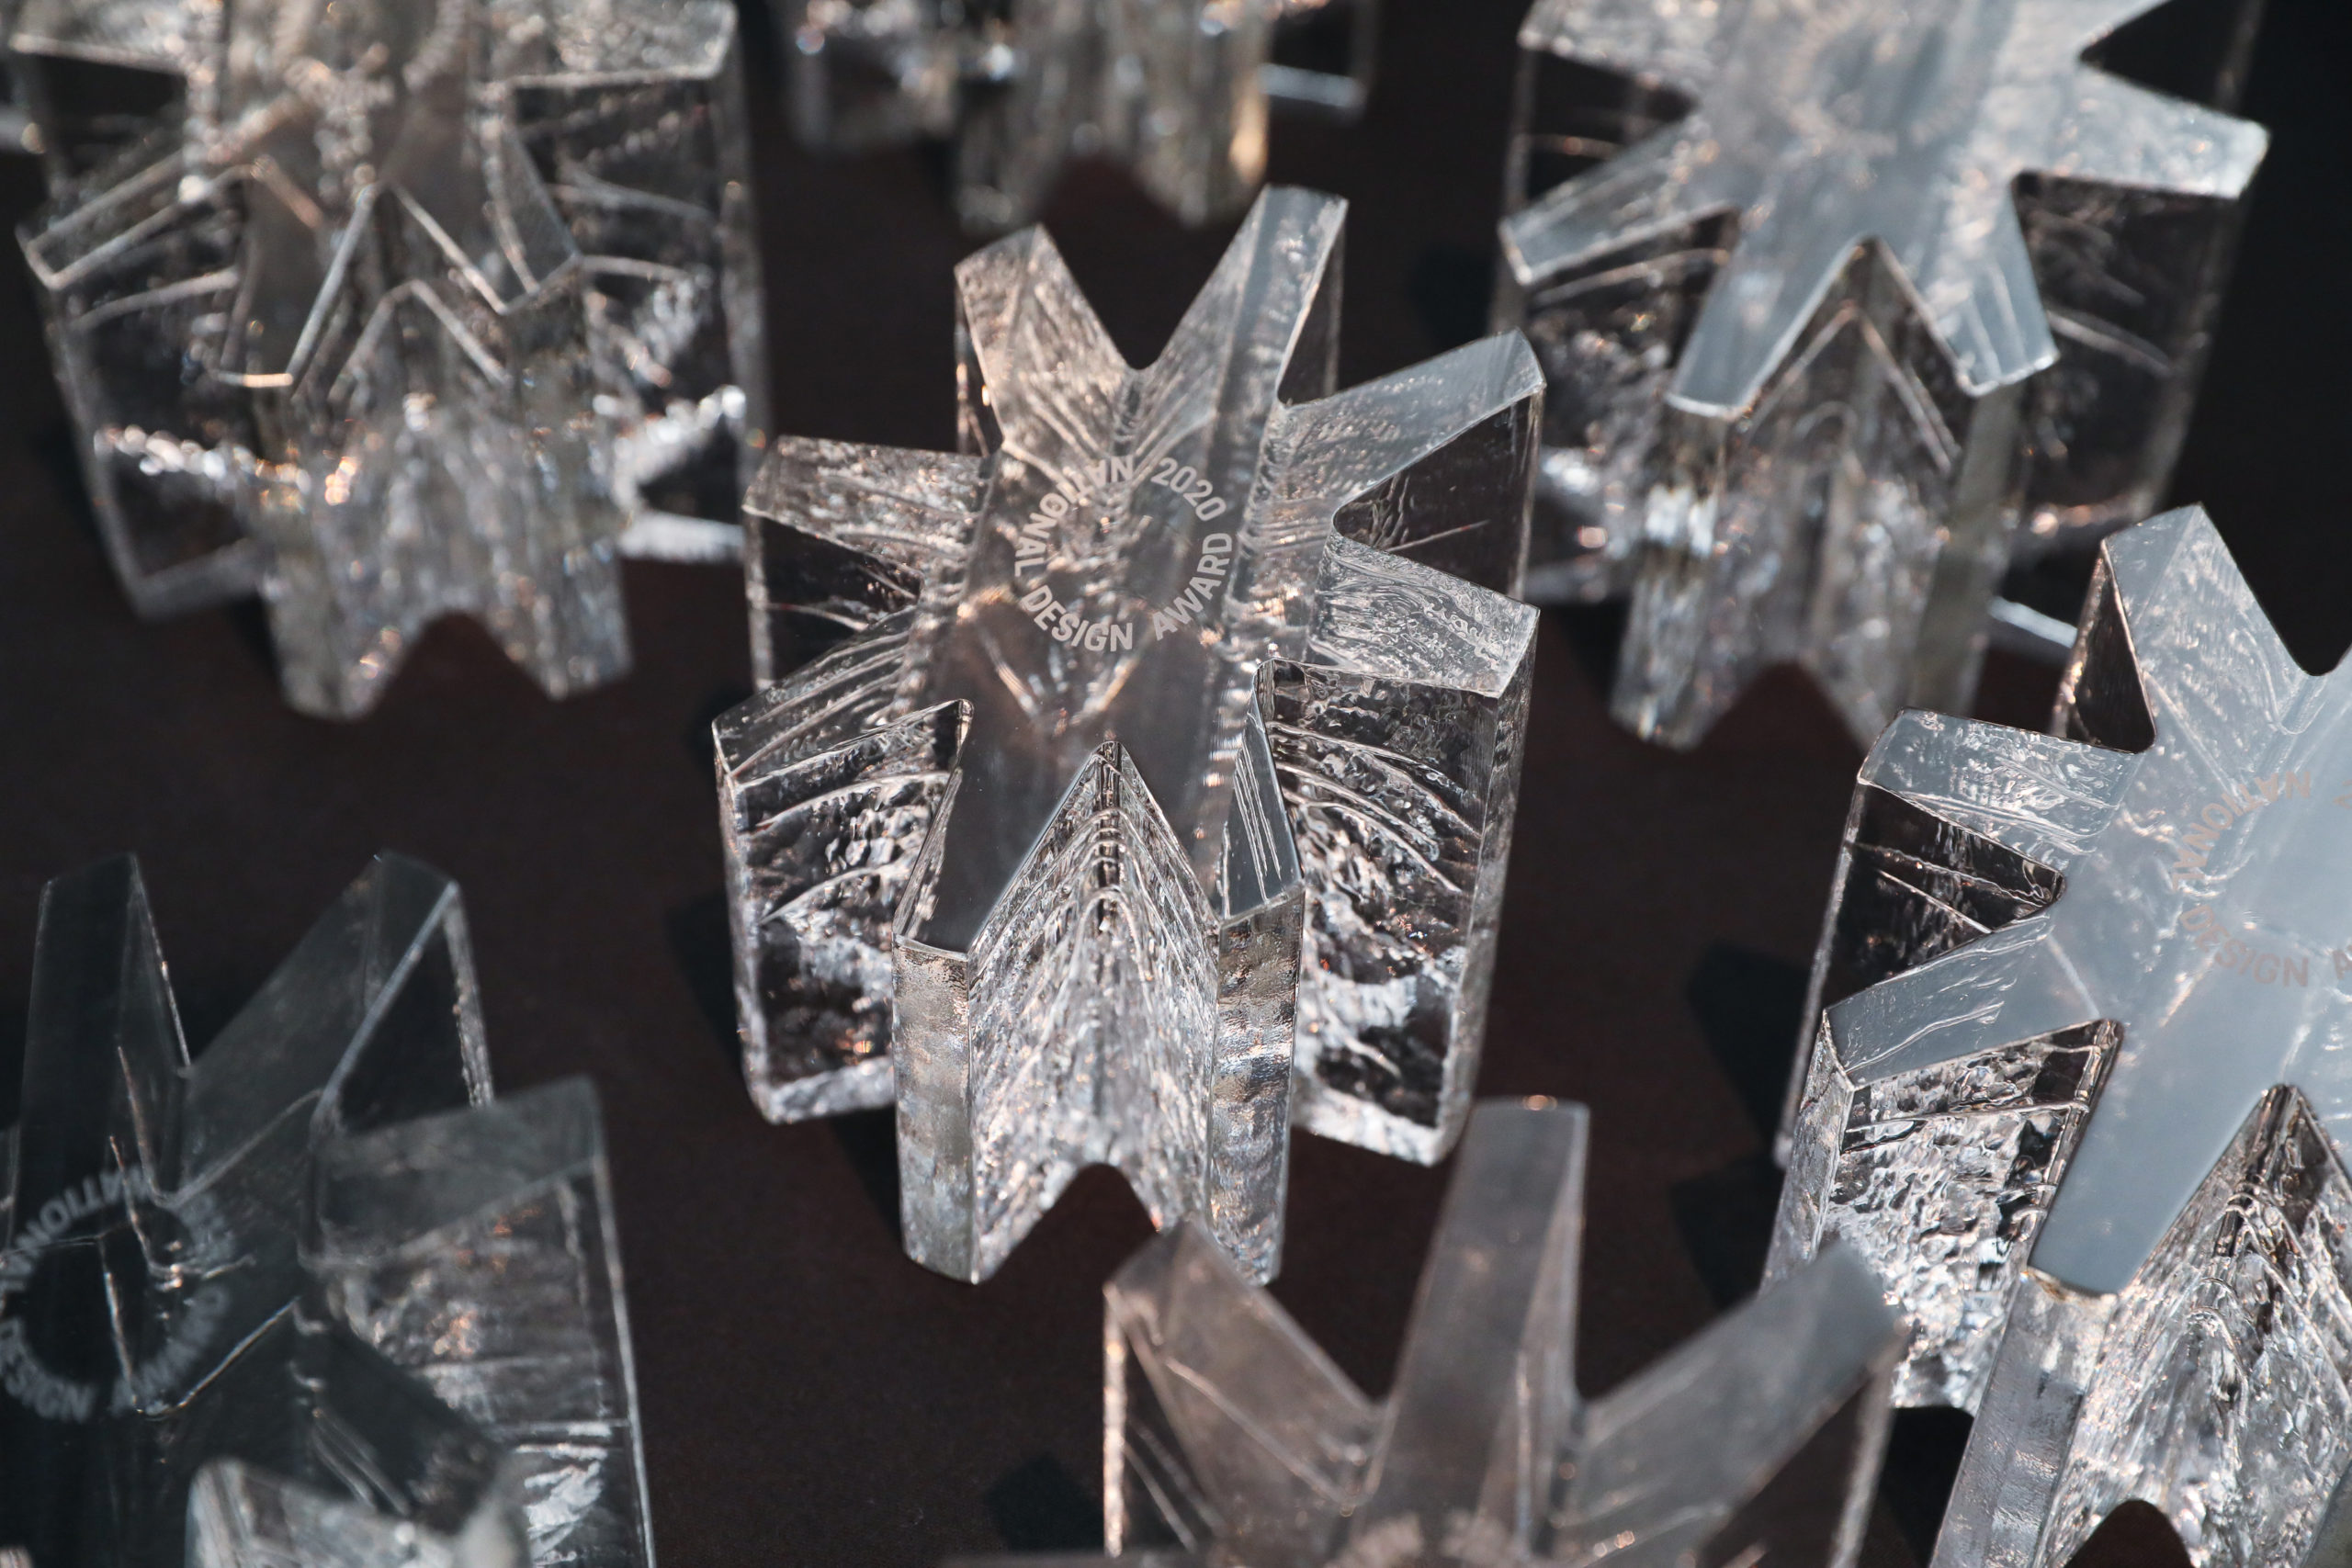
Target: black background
column 809, row 1396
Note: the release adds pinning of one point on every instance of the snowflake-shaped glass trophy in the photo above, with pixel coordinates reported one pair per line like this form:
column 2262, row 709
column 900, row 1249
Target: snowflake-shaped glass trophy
column 1229, row 1438
column 1168, row 673
column 396, row 310
column 2079, row 1092
column 317, row 1297
column 1179, row 91
column 1902, row 272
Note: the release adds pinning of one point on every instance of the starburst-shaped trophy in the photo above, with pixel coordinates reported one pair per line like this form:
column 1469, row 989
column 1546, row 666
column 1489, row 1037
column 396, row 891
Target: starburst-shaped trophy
column 1168, row 672
column 1904, row 271
column 1177, row 90
column 318, row 1297
column 1229, row 1438
column 400, row 310
column 2080, row 1093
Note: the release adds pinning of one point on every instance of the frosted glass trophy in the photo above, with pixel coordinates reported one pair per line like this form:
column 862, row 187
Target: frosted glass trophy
column 1843, row 306
column 1178, row 91
column 1229, row 1438
column 2077, row 1090
column 1138, row 780
column 316, row 1297
column 396, row 310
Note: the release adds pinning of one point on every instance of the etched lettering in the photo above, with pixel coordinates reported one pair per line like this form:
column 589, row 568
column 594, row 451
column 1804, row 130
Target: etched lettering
column 1106, row 482
column 2203, row 827
column 54, row 1397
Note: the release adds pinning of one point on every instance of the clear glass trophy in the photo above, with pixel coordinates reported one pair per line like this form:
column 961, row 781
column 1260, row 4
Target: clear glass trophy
column 316, row 1297
column 1228, row 1437
column 2077, row 1090
column 1138, row 780
column 1178, row 91
column 1844, row 305
column 392, row 311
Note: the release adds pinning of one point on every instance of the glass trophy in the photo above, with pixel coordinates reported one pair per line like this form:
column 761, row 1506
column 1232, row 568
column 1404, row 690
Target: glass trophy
column 1844, row 305
column 316, row 1297
column 392, row 311
column 1138, row 780
column 1177, row 91
column 2077, row 1090
column 1228, row 1437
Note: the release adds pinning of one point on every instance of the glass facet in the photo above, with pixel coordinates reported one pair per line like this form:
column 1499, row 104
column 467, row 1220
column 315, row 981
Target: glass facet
column 1842, row 306
column 315, row 1297
column 2077, row 1088
column 1172, row 671
column 1229, row 1438
column 1177, row 90
column 396, row 310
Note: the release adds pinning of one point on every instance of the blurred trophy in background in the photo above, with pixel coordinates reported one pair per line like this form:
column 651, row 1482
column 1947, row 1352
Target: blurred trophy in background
column 395, row 310
column 1845, row 306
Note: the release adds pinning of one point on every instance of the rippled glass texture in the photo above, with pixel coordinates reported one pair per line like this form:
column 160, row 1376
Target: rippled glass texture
column 1075, row 743
column 2216, row 1385
column 2077, row 1090
column 1229, row 1438
column 1841, row 304
column 396, row 310
column 316, row 1297
column 1177, row 90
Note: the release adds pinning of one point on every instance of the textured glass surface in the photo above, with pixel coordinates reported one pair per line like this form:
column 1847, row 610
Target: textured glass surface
column 400, row 310
column 1831, row 293
column 1229, row 1438
column 1177, row 90
column 2216, row 1385
column 316, row 1297
column 2064, row 976
column 1174, row 670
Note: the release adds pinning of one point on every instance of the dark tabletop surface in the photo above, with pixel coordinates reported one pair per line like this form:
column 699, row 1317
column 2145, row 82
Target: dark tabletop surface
column 809, row 1396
